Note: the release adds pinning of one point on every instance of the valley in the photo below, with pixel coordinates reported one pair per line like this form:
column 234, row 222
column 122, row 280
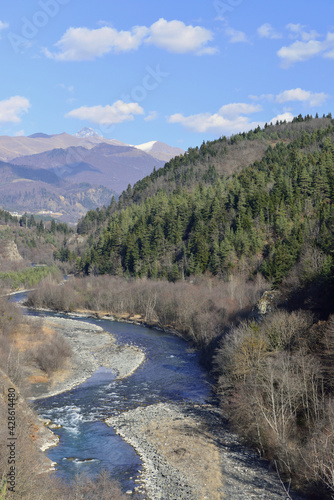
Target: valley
column 166, row 250
column 232, row 258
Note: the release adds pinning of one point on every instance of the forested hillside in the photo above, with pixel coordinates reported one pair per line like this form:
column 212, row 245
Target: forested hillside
column 27, row 246
column 217, row 210
column 223, row 224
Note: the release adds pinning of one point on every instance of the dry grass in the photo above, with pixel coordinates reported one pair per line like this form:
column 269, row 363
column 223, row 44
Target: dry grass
column 31, row 343
column 188, row 446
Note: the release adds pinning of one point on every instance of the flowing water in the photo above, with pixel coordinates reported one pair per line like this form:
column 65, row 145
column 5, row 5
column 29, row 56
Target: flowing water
column 171, row 372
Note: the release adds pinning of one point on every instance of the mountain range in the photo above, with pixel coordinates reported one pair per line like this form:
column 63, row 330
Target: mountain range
column 70, row 174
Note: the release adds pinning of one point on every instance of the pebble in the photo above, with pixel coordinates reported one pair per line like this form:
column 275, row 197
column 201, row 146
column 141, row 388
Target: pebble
column 245, row 475
column 92, row 348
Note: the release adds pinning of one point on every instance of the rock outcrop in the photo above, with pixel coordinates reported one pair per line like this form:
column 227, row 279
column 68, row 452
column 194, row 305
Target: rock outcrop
column 9, row 251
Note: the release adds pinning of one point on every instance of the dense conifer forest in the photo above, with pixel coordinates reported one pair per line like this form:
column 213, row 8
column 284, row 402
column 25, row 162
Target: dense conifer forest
column 211, row 211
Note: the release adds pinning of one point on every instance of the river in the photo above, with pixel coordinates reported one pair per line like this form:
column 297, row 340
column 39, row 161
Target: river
column 171, row 372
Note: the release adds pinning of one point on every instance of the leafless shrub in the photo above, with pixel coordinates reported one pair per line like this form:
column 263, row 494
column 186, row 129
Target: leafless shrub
column 102, row 488
column 274, row 393
column 311, row 262
column 198, row 310
column 51, row 295
column 52, row 355
column 12, row 265
column 318, row 455
column 329, row 334
column 287, row 330
column 10, row 316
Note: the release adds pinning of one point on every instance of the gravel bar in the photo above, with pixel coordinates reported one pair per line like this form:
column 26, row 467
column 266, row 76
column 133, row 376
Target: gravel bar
column 244, row 475
column 92, row 348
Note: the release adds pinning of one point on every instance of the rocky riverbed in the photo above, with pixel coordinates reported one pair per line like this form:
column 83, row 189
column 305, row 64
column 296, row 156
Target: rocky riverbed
column 186, row 449
column 188, row 453
column 92, row 348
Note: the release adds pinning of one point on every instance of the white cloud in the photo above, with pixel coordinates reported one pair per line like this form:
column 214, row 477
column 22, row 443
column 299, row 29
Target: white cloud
column 262, row 97
column 311, row 98
column 207, row 51
column 11, row 109
column 229, row 119
column 107, row 115
column 234, row 109
column 298, row 94
column 307, row 47
column 330, row 46
column 152, row 115
column 300, row 51
column 3, row 25
column 19, row 133
column 236, row 36
column 288, row 117
column 297, row 31
column 329, row 54
column 267, row 31
column 84, row 44
column 177, row 37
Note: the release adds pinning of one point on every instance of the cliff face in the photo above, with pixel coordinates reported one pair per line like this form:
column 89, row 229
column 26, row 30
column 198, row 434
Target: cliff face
column 9, row 251
column 23, row 437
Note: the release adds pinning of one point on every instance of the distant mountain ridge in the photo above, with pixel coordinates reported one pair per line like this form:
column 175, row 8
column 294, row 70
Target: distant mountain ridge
column 70, row 174
column 39, row 135
column 111, row 166
column 14, row 147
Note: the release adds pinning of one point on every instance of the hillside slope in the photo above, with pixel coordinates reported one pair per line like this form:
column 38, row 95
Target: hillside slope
column 195, row 215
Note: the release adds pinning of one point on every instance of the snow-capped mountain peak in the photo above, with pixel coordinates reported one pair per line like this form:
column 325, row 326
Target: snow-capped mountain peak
column 87, row 132
column 160, row 150
column 147, row 146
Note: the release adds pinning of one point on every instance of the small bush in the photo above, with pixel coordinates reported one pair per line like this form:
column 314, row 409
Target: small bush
column 51, row 356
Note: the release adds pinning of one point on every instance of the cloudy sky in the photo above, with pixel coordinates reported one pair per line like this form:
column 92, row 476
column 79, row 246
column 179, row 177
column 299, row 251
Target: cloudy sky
column 179, row 71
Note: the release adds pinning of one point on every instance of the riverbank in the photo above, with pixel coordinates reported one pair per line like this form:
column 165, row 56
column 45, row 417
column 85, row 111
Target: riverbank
column 186, row 449
column 91, row 348
column 188, row 453
column 33, row 436
column 134, row 319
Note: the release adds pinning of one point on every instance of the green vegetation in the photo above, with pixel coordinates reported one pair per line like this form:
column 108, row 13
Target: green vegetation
column 260, row 218
column 27, row 277
column 7, row 218
column 25, row 241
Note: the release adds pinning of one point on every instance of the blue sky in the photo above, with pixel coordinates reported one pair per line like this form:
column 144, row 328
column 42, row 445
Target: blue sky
column 180, row 71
